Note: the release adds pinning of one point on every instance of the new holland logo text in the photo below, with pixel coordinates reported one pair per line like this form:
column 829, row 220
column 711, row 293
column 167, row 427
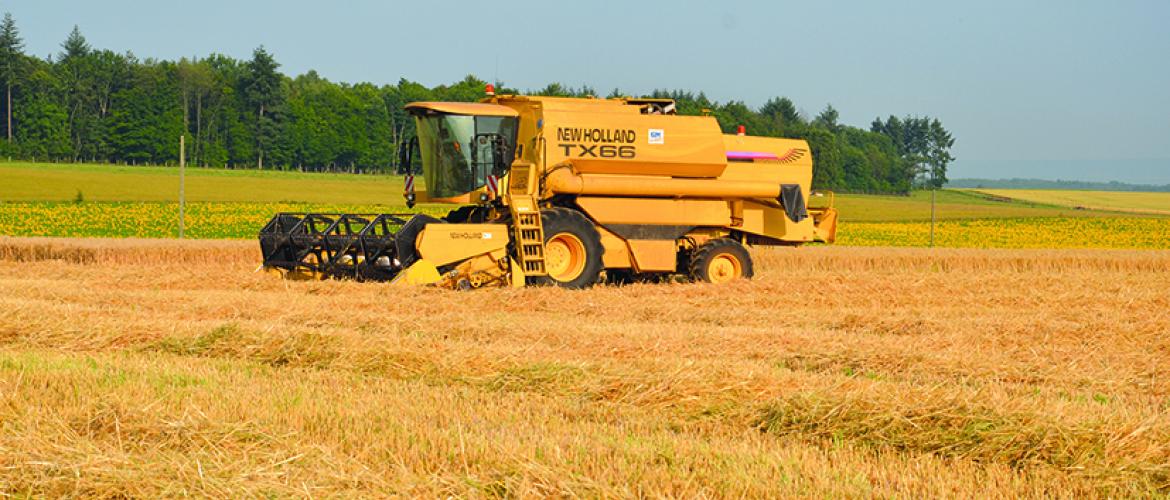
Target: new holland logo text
column 597, row 142
column 603, row 135
column 471, row 236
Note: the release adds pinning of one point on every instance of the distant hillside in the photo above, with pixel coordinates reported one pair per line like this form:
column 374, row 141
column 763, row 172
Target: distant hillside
column 1058, row 184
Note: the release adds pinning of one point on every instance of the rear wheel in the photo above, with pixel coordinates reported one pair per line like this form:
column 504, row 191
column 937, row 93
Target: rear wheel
column 572, row 249
column 720, row 261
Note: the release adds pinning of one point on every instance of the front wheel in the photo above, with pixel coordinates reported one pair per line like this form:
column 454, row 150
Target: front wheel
column 720, row 260
column 572, row 249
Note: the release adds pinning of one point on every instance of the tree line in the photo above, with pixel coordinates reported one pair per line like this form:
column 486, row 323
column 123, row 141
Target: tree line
column 894, row 155
column 95, row 105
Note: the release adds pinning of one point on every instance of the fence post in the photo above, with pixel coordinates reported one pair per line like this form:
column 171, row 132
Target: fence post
column 182, row 182
column 932, row 190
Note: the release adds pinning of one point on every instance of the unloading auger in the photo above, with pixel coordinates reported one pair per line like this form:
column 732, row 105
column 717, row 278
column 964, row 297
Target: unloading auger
column 567, row 191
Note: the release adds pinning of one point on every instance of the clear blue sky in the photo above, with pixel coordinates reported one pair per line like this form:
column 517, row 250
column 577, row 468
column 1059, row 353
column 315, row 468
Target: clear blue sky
column 1049, row 89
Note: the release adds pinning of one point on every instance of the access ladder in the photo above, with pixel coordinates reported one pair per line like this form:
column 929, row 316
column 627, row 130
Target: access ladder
column 529, row 234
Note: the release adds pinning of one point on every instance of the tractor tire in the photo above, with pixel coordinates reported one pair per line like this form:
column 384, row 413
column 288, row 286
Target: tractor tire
column 720, row 260
column 572, row 250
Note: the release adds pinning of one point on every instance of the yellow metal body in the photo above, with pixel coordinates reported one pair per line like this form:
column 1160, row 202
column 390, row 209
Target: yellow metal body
column 422, row 272
column 477, row 255
column 651, row 181
column 444, row 244
column 464, row 108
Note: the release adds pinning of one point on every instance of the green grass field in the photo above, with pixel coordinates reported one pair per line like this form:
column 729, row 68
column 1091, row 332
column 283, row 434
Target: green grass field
column 51, row 182
column 40, row 182
column 39, row 200
column 949, row 204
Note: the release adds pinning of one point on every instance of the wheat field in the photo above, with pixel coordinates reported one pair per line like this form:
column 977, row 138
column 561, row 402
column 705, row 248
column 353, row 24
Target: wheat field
column 152, row 368
column 1118, row 201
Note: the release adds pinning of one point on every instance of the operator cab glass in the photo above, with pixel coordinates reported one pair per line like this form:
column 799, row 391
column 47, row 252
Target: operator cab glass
column 460, row 151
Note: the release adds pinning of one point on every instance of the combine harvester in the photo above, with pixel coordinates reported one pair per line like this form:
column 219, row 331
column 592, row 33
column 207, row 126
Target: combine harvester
column 563, row 190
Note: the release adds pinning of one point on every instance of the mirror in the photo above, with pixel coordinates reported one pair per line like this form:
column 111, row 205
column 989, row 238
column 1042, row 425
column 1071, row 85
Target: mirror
column 500, row 160
column 406, row 154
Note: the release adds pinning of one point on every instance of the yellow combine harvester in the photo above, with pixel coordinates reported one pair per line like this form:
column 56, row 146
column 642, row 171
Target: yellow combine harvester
column 566, row 191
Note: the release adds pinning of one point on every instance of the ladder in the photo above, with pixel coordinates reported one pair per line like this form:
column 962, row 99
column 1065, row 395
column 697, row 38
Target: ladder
column 529, row 234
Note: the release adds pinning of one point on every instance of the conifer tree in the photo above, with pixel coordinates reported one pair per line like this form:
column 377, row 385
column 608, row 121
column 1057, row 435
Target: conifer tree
column 11, row 47
column 263, row 94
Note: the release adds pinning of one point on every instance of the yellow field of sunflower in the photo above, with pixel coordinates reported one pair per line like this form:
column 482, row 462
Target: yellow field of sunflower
column 119, row 202
column 204, row 220
column 1057, row 232
column 212, row 220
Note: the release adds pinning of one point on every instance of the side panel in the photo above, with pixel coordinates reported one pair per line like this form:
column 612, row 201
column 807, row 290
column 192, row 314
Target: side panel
column 617, row 254
column 654, row 255
column 618, row 143
column 657, row 211
column 768, row 221
column 792, row 163
column 529, row 147
column 443, row 244
column 641, row 232
column 789, row 161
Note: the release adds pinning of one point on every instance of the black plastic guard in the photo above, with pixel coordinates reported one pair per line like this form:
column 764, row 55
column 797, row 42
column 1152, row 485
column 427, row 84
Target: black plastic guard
column 405, row 237
column 792, row 199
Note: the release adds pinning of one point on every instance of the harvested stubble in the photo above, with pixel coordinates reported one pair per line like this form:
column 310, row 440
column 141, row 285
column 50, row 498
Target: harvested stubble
column 168, row 368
